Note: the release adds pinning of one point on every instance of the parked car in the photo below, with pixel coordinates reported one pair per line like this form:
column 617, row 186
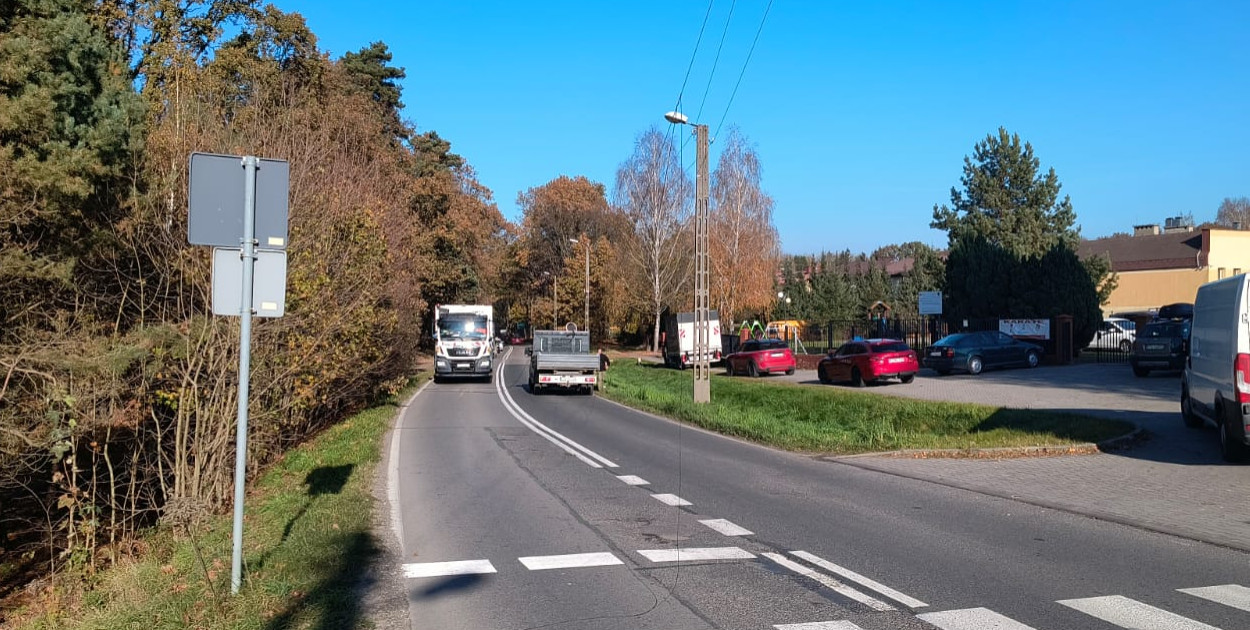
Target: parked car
column 1162, row 345
column 1115, row 333
column 761, row 356
column 868, row 361
column 1215, row 388
column 975, row 351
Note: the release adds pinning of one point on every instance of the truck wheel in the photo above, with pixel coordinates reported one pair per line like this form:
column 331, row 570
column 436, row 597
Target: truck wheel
column 1187, row 409
column 1232, row 449
column 438, row 379
column 752, row 370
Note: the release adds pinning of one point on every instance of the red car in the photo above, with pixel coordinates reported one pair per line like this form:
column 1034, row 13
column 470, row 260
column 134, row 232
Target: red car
column 760, row 356
column 868, row 361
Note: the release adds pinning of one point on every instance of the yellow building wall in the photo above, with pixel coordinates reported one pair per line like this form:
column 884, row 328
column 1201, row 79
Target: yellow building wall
column 1230, row 254
column 1146, row 290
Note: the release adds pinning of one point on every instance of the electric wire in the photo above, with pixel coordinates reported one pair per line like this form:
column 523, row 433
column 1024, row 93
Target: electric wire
column 694, row 54
column 744, row 68
column 716, row 60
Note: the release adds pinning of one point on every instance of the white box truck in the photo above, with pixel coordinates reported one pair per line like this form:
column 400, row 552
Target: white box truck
column 464, row 341
column 678, row 346
column 1215, row 388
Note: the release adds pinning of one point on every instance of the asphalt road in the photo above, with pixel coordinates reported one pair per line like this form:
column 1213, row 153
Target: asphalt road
column 489, row 489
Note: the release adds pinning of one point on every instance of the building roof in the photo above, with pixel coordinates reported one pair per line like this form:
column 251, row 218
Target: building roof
column 1178, row 250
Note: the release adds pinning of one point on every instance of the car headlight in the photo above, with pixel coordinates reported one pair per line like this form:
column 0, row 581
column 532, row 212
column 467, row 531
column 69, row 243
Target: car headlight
column 484, row 363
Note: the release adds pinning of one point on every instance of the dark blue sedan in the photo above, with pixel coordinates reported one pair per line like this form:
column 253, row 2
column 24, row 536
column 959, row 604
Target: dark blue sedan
column 973, row 352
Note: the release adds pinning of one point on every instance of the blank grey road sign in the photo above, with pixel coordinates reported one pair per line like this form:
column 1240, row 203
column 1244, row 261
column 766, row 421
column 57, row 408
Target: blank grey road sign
column 216, row 201
column 268, row 282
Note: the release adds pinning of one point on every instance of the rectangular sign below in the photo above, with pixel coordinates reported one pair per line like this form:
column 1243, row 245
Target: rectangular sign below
column 268, row 282
column 1038, row 329
column 930, row 303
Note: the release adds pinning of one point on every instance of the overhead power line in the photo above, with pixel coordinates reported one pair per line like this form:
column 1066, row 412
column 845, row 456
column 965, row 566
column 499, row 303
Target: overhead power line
column 716, row 60
column 744, row 68
column 694, row 54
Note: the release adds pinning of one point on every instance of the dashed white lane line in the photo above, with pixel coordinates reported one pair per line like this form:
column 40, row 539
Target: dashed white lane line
column 569, row 561
column 670, row 499
column 852, row 576
column 972, row 619
column 819, row 625
column 440, row 569
column 837, row 586
column 696, row 554
column 633, row 480
column 1128, row 613
column 1233, row 595
column 725, row 527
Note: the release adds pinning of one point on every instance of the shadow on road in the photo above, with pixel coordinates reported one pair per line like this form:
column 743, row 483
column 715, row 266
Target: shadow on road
column 450, row 585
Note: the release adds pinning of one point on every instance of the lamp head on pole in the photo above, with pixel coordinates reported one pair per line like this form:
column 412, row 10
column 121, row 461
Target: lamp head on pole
column 677, row 118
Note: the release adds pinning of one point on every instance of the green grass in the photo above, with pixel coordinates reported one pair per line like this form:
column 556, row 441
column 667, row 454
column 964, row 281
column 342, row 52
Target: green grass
column 307, row 544
column 833, row 420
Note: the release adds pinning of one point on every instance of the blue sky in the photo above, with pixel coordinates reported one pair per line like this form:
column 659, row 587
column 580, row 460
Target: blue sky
column 861, row 112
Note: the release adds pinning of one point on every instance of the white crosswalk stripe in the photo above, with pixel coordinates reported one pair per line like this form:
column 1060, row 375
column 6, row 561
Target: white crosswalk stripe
column 442, row 569
column 972, row 619
column 1233, row 595
column 819, row 625
column 726, row 528
column 569, row 561
column 696, row 553
column 1129, row 613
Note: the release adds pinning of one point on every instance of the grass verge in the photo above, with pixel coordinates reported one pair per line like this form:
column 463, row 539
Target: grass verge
column 832, row 420
column 307, row 545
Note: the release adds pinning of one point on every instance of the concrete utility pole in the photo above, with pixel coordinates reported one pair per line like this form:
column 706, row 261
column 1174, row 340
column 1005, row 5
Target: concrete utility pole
column 702, row 318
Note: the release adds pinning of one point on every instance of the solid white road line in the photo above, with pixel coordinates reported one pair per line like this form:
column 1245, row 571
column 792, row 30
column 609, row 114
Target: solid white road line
column 392, row 471
column 972, row 619
column 819, row 625
column 551, row 435
column 852, row 576
column 1129, row 613
column 569, row 561
column 1233, row 595
column 633, row 480
column 837, row 586
column 695, row 553
column 440, row 569
column 725, row 527
column 671, row 499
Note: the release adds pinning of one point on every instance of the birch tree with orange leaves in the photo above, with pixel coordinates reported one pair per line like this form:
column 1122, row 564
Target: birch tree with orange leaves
column 744, row 249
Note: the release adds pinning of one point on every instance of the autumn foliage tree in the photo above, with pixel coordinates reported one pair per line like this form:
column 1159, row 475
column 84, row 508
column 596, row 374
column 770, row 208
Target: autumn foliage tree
column 744, row 249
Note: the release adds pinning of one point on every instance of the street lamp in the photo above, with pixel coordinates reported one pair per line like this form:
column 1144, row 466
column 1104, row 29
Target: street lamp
column 586, row 316
column 555, row 303
column 702, row 323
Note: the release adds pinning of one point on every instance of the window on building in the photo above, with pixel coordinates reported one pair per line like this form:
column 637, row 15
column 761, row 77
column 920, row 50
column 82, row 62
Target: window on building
column 1236, row 271
column 1222, row 273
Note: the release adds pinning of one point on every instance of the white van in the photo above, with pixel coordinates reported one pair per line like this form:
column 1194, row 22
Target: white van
column 1215, row 388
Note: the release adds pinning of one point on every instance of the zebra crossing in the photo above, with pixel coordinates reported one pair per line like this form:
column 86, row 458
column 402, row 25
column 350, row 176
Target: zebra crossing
column 1117, row 610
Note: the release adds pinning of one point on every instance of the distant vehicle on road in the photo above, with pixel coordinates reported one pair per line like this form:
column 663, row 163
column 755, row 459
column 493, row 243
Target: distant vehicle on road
column 869, row 361
column 761, row 356
column 463, row 341
column 1215, row 388
column 1116, row 333
column 1162, row 345
column 678, row 346
column 973, row 352
column 562, row 358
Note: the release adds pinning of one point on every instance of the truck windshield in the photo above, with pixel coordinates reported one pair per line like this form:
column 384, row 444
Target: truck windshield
column 453, row 327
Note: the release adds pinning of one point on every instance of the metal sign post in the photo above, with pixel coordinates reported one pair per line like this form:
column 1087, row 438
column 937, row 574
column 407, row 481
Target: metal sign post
column 215, row 220
column 245, row 367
